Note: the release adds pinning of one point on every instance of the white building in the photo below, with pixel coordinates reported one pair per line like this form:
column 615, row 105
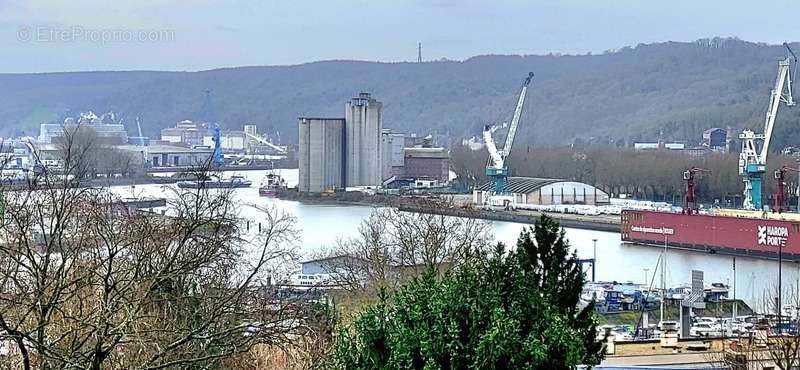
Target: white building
column 541, row 191
column 233, row 141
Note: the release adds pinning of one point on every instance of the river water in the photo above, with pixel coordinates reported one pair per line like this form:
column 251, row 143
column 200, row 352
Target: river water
column 322, row 224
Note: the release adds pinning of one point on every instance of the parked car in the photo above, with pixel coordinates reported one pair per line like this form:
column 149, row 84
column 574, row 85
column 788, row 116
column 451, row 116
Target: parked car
column 704, row 329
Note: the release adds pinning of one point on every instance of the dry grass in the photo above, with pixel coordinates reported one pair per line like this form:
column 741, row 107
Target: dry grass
column 301, row 355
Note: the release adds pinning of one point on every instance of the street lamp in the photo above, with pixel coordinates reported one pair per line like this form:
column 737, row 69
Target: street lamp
column 778, row 309
column 594, row 259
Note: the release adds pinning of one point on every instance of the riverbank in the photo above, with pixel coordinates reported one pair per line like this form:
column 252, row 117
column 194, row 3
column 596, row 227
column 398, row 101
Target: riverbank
column 425, row 204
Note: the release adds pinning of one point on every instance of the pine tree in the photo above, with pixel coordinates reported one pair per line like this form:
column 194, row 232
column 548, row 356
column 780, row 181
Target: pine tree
column 544, row 254
column 503, row 310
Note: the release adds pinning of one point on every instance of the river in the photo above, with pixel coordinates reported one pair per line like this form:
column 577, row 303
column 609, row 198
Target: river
column 322, row 224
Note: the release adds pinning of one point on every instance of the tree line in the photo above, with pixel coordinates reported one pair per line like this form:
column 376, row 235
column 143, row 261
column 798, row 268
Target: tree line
column 649, row 175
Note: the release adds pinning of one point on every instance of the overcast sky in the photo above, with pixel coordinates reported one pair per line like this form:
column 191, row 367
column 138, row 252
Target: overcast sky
column 59, row 35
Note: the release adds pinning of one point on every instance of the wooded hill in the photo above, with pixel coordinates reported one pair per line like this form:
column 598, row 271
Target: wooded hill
column 678, row 88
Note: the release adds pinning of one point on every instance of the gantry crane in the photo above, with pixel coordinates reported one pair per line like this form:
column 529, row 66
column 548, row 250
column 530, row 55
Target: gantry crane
column 780, row 194
column 752, row 161
column 690, row 198
column 496, row 166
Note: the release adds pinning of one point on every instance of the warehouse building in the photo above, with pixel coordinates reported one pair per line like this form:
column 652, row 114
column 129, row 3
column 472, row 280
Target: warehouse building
column 427, row 163
column 321, row 154
column 392, row 161
column 160, row 156
column 542, row 191
column 230, row 141
column 105, row 133
column 364, row 127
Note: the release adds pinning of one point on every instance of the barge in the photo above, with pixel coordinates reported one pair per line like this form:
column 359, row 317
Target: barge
column 733, row 232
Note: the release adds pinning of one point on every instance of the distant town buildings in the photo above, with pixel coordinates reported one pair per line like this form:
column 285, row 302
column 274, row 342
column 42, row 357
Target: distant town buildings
column 658, row 146
column 321, row 154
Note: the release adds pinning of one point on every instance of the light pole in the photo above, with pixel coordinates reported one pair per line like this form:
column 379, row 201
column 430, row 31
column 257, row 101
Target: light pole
column 594, row 259
column 778, row 309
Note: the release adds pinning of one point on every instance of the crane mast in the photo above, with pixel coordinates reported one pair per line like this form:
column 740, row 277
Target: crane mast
column 496, row 167
column 142, row 144
column 752, row 160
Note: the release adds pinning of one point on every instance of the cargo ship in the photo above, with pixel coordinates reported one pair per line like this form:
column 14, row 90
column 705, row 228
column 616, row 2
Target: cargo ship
column 724, row 231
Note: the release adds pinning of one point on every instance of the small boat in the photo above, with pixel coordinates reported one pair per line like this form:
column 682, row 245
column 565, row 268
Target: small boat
column 222, row 183
column 272, row 185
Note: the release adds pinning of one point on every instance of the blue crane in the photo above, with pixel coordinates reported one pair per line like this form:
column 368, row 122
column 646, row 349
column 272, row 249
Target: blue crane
column 753, row 160
column 216, row 158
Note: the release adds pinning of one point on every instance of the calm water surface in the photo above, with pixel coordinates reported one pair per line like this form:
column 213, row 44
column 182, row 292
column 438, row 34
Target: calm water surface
column 322, row 225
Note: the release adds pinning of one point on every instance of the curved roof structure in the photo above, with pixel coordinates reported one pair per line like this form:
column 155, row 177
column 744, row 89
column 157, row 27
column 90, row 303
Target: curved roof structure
column 521, row 185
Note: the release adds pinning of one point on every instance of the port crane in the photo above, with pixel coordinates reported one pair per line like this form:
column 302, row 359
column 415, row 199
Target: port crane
column 216, row 157
column 690, row 198
column 780, row 204
column 752, row 160
column 142, row 145
column 496, row 166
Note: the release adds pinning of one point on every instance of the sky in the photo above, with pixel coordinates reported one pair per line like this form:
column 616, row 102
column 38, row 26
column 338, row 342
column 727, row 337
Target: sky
column 191, row 35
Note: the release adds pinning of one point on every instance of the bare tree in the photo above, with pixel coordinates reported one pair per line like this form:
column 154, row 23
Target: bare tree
column 393, row 245
column 89, row 283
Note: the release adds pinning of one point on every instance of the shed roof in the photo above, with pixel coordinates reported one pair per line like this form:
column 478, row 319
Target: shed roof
column 522, row 185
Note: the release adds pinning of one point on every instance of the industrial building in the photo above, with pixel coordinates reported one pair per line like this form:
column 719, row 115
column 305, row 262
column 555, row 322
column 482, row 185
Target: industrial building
column 427, row 163
column 106, row 128
column 230, row 141
column 321, row 154
column 542, row 191
column 364, row 127
column 186, row 133
column 171, row 155
column 392, row 154
column 356, row 152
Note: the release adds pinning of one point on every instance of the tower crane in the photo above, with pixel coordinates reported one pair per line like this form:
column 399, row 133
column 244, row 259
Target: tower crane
column 780, row 195
column 752, row 160
column 496, row 166
column 690, row 198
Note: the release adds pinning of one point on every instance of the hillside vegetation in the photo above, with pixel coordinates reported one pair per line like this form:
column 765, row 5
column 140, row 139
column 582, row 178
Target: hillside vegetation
column 678, row 88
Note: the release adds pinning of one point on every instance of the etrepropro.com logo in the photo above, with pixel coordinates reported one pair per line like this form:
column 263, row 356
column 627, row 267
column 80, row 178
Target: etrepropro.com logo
column 101, row 36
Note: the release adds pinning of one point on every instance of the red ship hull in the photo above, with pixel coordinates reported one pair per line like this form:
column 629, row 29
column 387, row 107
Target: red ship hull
column 746, row 236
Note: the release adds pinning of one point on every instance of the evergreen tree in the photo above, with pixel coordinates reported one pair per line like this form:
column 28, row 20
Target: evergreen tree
column 503, row 310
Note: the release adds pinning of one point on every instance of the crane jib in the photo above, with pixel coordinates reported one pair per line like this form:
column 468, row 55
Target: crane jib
column 496, row 167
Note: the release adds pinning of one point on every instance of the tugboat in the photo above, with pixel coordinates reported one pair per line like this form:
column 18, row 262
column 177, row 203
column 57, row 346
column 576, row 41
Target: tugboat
column 271, row 186
column 219, row 183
